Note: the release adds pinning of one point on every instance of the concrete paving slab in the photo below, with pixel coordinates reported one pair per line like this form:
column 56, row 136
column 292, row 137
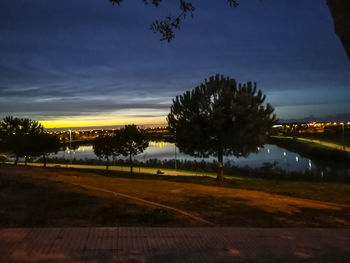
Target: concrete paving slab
column 140, row 244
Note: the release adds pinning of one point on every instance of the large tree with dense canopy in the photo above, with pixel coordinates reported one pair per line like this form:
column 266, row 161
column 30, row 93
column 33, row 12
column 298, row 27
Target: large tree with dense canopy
column 220, row 118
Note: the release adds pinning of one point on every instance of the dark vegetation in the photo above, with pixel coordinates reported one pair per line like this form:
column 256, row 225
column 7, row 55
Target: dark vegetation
column 26, row 138
column 105, row 148
column 221, row 117
column 128, row 141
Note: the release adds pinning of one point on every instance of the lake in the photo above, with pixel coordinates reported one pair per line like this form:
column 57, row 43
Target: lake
column 285, row 159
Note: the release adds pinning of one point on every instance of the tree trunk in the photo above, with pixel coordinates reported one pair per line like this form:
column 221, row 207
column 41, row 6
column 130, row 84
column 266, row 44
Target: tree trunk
column 220, row 176
column 16, row 161
column 44, row 158
column 107, row 164
column 130, row 163
column 25, row 160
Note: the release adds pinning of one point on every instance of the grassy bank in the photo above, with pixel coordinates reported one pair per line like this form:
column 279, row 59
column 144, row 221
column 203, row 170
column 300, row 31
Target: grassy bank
column 29, row 201
column 32, row 196
column 267, row 171
column 318, row 153
column 320, row 191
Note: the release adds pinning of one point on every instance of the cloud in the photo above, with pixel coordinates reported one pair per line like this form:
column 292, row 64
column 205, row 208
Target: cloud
column 87, row 57
column 79, row 107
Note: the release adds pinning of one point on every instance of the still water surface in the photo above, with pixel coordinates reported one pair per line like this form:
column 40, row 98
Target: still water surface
column 285, row 159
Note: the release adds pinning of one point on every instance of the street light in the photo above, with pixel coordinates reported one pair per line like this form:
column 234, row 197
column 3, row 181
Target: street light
column 343, row 136
column 70, row 145
column 175, row 152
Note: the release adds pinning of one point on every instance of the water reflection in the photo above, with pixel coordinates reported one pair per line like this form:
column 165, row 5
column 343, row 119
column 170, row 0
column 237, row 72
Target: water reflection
column 158, row 144
column 286, row 160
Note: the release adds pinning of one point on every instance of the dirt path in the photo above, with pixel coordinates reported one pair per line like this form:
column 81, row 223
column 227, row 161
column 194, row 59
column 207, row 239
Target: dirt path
column 185, row 213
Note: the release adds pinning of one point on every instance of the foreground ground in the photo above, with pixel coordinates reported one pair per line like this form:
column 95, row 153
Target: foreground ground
column 37, row 197
column 158, row 245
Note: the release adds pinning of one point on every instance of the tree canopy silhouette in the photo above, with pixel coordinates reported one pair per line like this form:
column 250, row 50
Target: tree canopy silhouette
column 106, row 147
column 43, row 144
column 17, row 133
column 220, row 118
column 25, row 137
column 131, row 141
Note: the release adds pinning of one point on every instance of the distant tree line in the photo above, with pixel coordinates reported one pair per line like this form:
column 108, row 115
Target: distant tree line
column 26, row 138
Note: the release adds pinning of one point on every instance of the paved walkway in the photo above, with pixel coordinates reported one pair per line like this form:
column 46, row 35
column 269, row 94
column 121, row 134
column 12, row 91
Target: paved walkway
column 139, row 244
column 145, row 170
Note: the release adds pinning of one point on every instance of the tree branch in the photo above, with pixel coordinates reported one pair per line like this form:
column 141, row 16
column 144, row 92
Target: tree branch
column 167, row 26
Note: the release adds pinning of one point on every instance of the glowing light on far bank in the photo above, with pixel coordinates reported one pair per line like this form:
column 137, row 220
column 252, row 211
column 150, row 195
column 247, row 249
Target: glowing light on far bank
column 101, row 121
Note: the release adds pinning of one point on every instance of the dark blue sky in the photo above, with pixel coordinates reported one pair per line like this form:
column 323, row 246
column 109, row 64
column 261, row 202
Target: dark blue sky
column 87, row 62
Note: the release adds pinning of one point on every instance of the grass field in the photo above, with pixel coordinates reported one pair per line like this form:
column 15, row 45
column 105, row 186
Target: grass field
column 32, row 196
column 321, row 152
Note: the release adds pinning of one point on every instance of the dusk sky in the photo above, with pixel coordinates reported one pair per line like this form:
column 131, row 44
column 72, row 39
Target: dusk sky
column 73, row 63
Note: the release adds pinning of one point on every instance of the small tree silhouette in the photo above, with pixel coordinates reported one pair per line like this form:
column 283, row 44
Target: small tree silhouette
column 130, row 142
column 43, row 144
column 105, row 147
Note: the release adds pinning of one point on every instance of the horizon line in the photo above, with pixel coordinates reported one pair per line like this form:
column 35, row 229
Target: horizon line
column 106, row 127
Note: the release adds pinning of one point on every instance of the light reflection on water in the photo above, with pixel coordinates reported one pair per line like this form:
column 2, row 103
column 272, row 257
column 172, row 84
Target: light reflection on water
column 165, row 151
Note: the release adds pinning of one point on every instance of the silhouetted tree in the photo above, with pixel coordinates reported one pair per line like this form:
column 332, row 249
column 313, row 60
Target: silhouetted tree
column 105, row 147
column 218, row 118
column 131, row 141
column 16, row 135
column 43, row 144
